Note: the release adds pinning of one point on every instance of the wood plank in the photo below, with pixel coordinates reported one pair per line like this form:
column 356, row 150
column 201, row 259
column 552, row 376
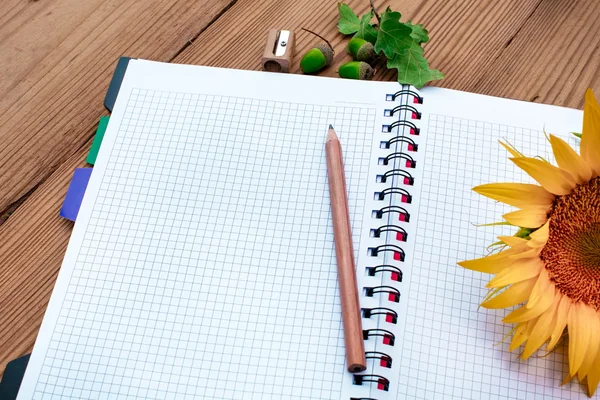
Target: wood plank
column 17, row 12
column 60, row 62
column 553, row 59
column 24, row 39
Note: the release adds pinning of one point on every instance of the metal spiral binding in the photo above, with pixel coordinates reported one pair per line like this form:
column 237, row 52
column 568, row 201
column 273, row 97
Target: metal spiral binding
column 393, row 293
column 384, row 359
column 395, row 271
column 383, row 383
column 401, row 162
column 391, row 316
column 362, row 398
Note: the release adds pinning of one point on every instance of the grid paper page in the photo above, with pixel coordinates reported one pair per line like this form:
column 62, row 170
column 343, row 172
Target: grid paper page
column 202, row 262
column 207, row 247
column 451, row 348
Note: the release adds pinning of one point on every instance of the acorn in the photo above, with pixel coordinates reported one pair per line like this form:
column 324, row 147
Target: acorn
column 356, row 70
column 361, row 50
column 318, row 57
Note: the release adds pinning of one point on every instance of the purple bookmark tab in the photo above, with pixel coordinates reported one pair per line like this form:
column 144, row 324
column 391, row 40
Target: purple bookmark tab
column 70, row 207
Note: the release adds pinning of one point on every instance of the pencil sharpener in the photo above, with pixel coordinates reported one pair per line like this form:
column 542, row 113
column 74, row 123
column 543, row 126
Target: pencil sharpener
column 278, row 51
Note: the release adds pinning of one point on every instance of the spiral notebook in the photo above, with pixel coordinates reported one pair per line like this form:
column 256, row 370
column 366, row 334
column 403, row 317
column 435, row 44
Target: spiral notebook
column 202, row 262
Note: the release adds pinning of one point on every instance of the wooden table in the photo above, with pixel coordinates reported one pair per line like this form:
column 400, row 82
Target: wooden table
column 57, row 57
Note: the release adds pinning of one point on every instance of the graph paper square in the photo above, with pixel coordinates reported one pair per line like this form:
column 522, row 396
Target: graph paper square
column 207, row 268
column 452, row 349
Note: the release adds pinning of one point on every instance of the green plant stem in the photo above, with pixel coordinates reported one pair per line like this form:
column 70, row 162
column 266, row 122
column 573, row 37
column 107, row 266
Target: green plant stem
column 375, row 11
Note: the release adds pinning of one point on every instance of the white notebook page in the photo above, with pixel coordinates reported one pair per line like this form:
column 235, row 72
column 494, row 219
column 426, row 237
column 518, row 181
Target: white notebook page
column 202, row 261
column 450, row 346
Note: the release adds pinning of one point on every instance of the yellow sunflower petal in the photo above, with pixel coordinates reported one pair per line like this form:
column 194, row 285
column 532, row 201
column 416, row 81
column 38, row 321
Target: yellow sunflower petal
column 525, row 314
column 490, row 264
column 528, row 217
column 540, row 237
column 541, row 286
column 593, row 377
column 511, row 149
column 562, row 313
column 515, row 294
column 553, row 179
column 520, row 195
column 542, row 330
column 592, row 350
column 567, row 379
column 512, row 241
column 568, row 160
column 590, row 135
column 529, row 253
column 519, row 337
column 522, row 334
column 491, row 293
column 579, row 336
column 517, row 272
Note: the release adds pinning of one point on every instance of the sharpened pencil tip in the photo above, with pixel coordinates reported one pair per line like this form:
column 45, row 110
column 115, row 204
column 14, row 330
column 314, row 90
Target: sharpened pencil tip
column 331, row 135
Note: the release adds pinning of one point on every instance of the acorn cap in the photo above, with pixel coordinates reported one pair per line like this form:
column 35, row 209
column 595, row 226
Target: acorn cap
column 366, row 52
column 365, row 71
column 327, row 52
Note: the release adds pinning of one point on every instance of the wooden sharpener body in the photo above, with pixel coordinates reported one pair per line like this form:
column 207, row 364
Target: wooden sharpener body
column 279, row 50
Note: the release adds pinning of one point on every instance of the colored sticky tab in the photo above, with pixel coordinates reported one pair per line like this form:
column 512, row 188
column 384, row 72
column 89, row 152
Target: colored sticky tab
column 115, row 83
column 75, row 193
column 13, row 375
column 91, row 157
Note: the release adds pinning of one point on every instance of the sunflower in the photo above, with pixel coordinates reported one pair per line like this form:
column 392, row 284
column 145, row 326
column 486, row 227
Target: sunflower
column 551, row 267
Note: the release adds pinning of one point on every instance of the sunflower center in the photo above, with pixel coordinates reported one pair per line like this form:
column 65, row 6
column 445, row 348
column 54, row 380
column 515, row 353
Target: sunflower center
column 572, row 253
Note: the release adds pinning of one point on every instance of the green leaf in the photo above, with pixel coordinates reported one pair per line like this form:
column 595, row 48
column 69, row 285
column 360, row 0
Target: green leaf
column 576, row 134
column 413, row 68
column 366, row 31
column 419, row 33
column 349, row 22
column 393, row 36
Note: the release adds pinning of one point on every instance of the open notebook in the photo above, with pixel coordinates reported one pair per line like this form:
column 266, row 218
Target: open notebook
column 202, row 261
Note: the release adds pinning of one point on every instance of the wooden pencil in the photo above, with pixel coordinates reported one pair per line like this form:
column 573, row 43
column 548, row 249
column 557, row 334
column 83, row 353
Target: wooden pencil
column 351, row 318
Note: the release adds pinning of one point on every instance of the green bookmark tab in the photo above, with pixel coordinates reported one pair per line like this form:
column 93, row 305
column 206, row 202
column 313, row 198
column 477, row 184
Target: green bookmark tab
column 91, row 158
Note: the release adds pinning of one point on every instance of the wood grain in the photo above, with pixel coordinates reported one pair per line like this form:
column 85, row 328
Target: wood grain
column 25, row 40
column 542, row 50
column 59, row 60
column 554, row 58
